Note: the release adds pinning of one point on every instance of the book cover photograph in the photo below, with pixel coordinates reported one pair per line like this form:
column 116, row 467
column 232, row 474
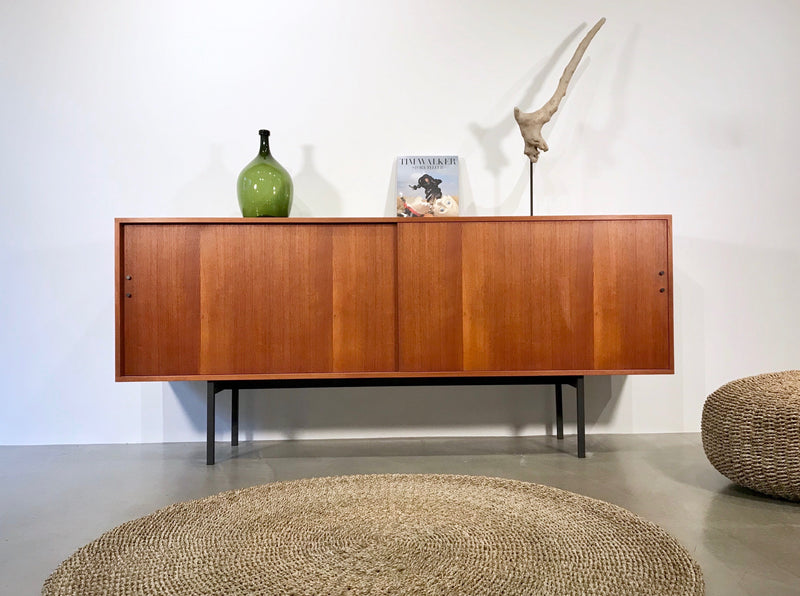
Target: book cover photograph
column 427, row 186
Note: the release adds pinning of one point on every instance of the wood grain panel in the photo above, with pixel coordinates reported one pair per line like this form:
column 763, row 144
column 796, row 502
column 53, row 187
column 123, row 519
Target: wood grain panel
column 429, row 297
column 232, row 298
column 159, row 310
column 527, row 296
column 266, row 299
column 364, row 298
column 633, row 326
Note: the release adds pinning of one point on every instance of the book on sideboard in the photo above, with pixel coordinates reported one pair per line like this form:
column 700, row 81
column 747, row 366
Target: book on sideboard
column 427, row 186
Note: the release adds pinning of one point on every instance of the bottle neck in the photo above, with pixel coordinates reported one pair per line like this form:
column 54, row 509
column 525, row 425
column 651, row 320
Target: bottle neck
column 264, row 150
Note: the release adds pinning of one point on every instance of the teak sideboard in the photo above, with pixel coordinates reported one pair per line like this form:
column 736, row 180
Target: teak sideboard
column 375, row 301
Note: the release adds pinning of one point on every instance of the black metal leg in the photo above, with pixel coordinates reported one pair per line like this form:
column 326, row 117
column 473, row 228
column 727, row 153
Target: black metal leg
column 210, row 416
column 215, row 387
column 581, row 419
column 559, row 412
column 234, row 416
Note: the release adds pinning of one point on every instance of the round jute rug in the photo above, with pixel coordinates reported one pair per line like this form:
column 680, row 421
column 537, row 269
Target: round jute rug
column 384, row 534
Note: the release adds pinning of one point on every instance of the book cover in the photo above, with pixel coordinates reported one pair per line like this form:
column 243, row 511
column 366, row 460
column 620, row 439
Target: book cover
column 427, row 186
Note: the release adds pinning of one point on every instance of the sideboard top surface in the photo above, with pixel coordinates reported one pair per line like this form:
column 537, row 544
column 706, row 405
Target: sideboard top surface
column 376, row 220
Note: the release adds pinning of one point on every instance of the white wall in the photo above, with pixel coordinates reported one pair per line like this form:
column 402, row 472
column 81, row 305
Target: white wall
column 112, row 109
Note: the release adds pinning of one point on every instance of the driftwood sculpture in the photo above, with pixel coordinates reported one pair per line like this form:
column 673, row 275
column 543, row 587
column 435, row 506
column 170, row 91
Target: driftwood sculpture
column 530, row 124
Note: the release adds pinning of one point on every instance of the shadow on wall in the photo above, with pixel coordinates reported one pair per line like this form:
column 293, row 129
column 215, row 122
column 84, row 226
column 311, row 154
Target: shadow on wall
column 369, row 412
column 212, row 193
column 602, row 401
column 390, row 209
column 491, row 138
column 314, row 196
column 749, row 311
column 594, row 148
column 191, row 397
column 690, row 340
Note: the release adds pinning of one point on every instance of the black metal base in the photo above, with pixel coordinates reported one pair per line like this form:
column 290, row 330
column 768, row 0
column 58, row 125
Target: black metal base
column 215, row 387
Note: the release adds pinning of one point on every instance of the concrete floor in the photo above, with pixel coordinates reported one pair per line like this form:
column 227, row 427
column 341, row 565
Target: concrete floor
column 55, row 499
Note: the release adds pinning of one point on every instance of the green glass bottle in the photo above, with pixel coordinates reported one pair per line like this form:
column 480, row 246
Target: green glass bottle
column 264, row 187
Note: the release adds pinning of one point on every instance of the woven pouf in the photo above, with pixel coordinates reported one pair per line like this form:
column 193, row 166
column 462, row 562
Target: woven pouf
column 751, row 433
